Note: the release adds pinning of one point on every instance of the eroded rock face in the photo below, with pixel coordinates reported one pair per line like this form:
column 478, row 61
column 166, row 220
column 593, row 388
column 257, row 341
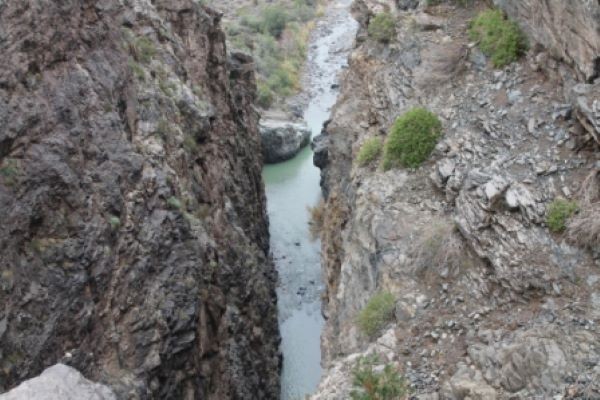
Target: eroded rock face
column 134, row 240
column 282, row 140
column 489, row 303
column 571, row 29
column 59, row 382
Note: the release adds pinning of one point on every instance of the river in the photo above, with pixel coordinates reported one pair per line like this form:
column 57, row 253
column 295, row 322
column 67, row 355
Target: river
column 292, row 187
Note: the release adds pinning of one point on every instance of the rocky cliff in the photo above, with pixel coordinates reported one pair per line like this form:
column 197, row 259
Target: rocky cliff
column 489, row 303
column 133, row 235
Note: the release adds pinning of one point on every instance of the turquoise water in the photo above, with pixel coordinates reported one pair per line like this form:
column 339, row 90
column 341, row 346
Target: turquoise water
column 292, row 187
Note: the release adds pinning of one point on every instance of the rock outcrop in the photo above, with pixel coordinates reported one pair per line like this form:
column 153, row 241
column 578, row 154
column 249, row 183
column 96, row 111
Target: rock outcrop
column 569, row 29
column 59, row 382
column 489, row 302
column 282, row 140
column 133, row 234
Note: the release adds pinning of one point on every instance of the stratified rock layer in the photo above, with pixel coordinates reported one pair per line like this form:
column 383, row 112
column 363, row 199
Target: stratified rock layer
column 490, row 304
column 133, row 234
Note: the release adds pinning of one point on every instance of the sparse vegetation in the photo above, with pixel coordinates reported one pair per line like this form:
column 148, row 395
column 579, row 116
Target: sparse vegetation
column 412, row 139
column 378, row 311
column 369, row 151
column 163, row 129
column 190, row 144
column 371, row 382
column 114, row 222
column 317, row 218
column 438, row 245
column 277, row 37
column 584, row 228
column 144, row 49
column 274, row 20
column 499, row 38
column 264, row 95
column 382, row 27
column 137, row 70
column 559, row 211
column 9, row 171
column 174, row 203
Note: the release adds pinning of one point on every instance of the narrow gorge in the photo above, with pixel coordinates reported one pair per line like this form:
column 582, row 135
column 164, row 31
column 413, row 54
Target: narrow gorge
column 299, row 199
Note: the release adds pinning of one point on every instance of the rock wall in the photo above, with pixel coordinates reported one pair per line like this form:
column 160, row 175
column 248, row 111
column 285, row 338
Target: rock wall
column 570, row 29
column 133, row 235
column 489, row 303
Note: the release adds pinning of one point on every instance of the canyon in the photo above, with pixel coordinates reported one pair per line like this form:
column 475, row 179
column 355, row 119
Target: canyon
column 147, row 253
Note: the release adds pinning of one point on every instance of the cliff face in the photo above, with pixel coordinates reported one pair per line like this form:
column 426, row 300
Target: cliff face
column 489, row 303
column 570, row 29
column 134, row 239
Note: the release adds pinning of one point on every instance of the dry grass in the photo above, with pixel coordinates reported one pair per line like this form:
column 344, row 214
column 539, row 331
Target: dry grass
column 584, row 228
column 317, row 218
column 590, row 188
column 439, row 245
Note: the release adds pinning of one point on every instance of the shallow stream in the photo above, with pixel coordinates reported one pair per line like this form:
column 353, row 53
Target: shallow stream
column 292, row 187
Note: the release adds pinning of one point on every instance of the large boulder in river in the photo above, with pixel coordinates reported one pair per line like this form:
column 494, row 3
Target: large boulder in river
column 282, row 140
column 59, row 382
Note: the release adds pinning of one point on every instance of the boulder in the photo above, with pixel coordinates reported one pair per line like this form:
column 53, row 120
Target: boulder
column 59, row 382
column 282, row 140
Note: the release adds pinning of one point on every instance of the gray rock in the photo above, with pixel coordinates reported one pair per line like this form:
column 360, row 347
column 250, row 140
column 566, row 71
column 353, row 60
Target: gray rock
column 407, row 4
column 282, row 140
column 59, row 382
column 133, row 214
column 571, row 29
column 586, row 101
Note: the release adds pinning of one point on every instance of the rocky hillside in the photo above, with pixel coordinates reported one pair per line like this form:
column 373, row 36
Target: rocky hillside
column 488, row 302
column 134, row 240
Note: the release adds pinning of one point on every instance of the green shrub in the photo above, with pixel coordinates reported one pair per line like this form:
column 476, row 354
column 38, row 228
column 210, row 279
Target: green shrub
column 369, row 151
column 412, row 139
column 114, row 222
column 138, row 71
column 264, row 95
column 377, row 313
column 498, row 38
column 370, row 383
column 382, row 27
column 252, row 22
column 559, row 211
column 174, row 203
column 144, row 49
column 274, row 20
column 9, row 171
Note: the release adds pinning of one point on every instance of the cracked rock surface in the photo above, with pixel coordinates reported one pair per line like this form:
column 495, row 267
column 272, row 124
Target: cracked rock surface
column 133, row 234
column 490, row 304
